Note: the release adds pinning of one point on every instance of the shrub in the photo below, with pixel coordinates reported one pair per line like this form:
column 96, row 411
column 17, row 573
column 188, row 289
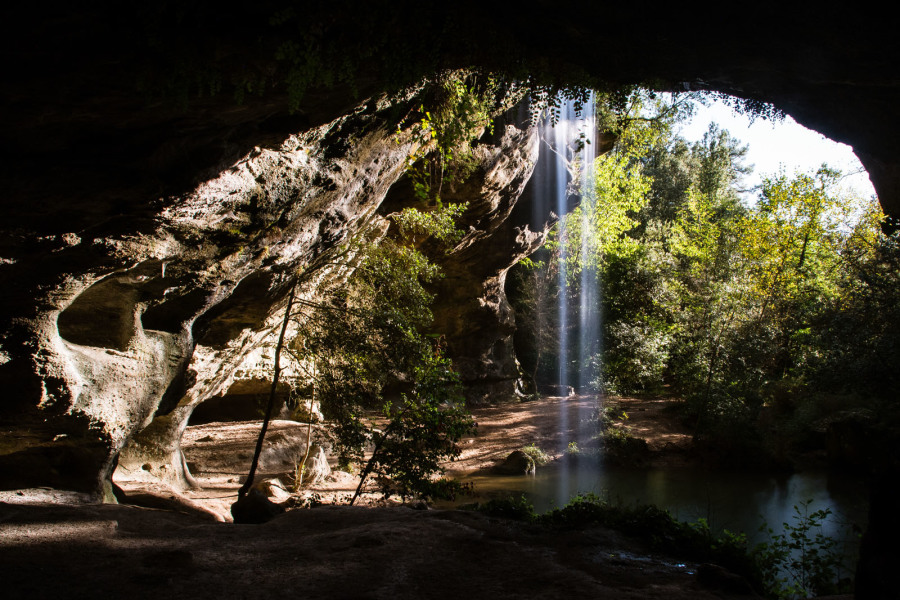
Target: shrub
column 519, row 509
column 539, row 457
column 801, row 561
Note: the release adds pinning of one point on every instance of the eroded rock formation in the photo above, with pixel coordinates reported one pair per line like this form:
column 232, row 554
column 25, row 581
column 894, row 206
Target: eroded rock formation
column 470, row 309
column 121, row 333
column 117, row 337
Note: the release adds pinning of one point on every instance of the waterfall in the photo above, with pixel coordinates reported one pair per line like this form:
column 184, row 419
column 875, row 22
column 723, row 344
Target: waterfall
column 564, row 178
column 589, row 301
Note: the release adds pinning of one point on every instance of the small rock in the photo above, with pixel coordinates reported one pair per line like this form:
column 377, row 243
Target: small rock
column 273, row 488
column 254, row 508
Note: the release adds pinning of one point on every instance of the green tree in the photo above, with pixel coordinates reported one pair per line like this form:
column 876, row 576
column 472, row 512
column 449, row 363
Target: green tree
column 857, row 352
column 460, row 109
column 382, row 384
column 793, row 242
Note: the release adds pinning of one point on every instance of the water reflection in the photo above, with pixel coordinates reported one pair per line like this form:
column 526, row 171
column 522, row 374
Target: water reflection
column 737, row 501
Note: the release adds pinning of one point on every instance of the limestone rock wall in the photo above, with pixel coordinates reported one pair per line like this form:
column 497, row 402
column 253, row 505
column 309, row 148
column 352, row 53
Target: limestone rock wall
column 471, row 308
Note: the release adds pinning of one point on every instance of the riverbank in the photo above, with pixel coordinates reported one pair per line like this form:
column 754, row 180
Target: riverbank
column 552, row 423
column 219, row 454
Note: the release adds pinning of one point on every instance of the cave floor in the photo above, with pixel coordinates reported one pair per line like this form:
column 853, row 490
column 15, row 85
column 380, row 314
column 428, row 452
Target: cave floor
column 95, row 551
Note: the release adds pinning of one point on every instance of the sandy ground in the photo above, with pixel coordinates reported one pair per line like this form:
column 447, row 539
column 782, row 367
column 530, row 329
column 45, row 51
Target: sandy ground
column 549, row 423
column 653, row 420
column 219, row 453
column 53, row 544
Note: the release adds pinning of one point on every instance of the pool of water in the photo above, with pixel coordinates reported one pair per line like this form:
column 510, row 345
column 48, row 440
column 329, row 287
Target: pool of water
column 737, row 501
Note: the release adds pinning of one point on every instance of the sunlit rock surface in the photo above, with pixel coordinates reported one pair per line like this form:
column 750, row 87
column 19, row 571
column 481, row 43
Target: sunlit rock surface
column 127, row 331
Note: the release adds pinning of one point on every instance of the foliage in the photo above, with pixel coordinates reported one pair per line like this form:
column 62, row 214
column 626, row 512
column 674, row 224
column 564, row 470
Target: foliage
column 620, row 187
column 547, row 100
column 439, row 225
column 519, row 509
column 801, row 561
column 458, row 114
column 596, row 232
column 660, row 530
column 859, row 349
column 751, row 107
column 424, row 430
column 537, row 454
column 635, row 359
column 378, row 378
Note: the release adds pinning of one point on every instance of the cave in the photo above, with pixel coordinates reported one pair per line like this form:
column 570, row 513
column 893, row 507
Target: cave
column 166, row 166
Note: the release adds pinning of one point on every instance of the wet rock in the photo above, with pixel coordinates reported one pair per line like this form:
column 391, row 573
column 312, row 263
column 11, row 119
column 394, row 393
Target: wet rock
column 517, row 463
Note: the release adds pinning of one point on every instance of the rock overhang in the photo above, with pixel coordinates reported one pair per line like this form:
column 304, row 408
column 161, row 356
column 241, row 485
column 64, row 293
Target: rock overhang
column 101, row 155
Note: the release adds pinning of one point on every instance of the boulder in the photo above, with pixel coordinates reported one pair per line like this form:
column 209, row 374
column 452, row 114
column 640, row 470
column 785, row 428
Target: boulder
column 316, row 467
column 517, row 463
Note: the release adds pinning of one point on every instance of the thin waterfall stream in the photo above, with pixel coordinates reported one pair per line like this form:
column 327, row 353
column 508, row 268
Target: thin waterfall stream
column 567, row 164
